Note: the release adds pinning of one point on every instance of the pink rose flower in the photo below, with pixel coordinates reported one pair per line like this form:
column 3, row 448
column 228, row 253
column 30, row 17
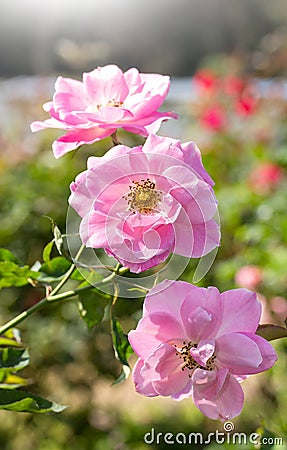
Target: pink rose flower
column 142, row 203
column 199, row 343
column 248, row 276
column 106, row 100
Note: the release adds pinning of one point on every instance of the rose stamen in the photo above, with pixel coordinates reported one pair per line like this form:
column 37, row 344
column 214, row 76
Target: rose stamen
column 143, row 197
column 114, row 103
column 189, row 362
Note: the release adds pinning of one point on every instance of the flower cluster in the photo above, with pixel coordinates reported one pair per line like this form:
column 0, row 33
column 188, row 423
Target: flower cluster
column 140, row 205
column 215, row 109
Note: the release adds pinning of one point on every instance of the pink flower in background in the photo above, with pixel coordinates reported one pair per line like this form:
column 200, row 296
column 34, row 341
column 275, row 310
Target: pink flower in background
column 142, row 203
column 233, row 85
column 106, row 100
column 248, row 277
column 246, row 104
column 199, row 343
column 205, row 80
column 279, row 308
column 222, row 98
column 214, row 118
column 265, row 177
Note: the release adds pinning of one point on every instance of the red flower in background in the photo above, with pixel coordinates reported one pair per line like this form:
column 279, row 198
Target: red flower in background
column 246, row 104
column 221, row 98
column 265, row 177
column 205, row 80
column 233, row 85
column 214, row 118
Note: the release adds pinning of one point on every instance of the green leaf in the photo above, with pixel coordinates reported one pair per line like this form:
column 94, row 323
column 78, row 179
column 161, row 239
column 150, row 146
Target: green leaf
column 13, row 275
column 22, row 401
column 12, row 381
column 5, row 342
column 13, row 272
column 77, row 275
column 13, row 334
column 53, row 270
column 92, row 306
column 87, row 276
column 47, row 251
column 11, row 338
column 122, row 348
column 6, row 255
column 13, row 359
column 270, row 332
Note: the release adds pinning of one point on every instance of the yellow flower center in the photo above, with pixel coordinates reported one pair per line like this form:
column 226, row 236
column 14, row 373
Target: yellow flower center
column 143, row 197
column 113, row 102
column 189, row 362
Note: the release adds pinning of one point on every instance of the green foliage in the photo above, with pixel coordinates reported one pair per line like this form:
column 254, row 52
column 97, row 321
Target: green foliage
column 13, row 275
column 87, row 276
column 53, row 270
column 5, row 341
column 12, row 272
column 122, row 348
column 21, row 401
column 92, row 306
column 11, row 381
column 6, row 255
column 47, row 252
column 13, row 360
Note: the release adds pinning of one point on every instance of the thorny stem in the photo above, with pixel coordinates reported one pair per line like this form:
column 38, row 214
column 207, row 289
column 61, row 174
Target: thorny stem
column 55, row 297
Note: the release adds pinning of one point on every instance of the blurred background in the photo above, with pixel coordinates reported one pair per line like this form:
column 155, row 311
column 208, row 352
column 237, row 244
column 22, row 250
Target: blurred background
column 228, row 63
column 155, row 36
